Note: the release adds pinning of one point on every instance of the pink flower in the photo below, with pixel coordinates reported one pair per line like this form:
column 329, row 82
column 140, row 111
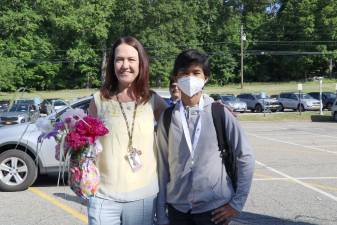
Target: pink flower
column 75, row 141
column 91, row 128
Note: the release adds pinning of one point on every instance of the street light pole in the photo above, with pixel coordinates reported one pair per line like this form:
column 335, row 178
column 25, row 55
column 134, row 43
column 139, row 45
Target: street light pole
column 241, row 44
column 320, row 96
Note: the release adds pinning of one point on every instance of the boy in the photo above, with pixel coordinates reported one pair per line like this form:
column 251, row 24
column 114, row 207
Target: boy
column 193, row 182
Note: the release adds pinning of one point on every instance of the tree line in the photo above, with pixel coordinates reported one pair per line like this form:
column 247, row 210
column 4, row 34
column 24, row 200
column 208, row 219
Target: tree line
column 56, row 44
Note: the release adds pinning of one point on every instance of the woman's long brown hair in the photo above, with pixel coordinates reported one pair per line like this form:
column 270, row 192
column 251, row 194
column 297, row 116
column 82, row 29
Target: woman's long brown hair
column 140, row 85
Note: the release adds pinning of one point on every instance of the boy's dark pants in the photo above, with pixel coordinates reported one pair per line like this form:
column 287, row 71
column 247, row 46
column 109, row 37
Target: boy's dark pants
column 179, row 218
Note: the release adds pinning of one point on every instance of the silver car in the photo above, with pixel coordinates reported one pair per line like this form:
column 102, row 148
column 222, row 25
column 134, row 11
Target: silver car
column 259, row 102
column 298, row 102
column 19, row 113
column 234, row 103
column 21, row 159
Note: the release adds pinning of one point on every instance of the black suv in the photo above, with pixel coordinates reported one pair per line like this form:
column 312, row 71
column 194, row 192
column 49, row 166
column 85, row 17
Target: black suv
column 328, row 98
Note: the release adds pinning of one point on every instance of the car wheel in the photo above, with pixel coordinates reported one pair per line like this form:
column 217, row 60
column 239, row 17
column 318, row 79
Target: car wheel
column 329, row 106
column 17, row 170
column 300, row 108
column 258, row 108
column 335, row 116
column 281, row 108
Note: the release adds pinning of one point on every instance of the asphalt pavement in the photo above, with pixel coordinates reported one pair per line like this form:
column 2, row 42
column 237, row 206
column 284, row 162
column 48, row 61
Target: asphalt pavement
column 295, row 182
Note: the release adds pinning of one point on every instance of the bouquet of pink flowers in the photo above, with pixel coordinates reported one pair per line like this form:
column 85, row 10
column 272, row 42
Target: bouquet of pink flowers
column 76, row 134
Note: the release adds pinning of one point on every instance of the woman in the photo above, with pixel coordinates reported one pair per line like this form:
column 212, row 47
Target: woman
column 128, row 176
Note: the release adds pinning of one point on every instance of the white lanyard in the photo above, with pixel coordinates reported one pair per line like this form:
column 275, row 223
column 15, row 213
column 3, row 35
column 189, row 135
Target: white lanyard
column 187, row 131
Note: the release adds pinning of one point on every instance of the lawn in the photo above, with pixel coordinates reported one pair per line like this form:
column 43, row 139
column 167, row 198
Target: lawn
column 269, row 88
column 273, row 88
column 67, row 94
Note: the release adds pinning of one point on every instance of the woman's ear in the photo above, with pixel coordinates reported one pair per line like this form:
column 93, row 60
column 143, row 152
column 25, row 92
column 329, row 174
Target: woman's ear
column 206, row 80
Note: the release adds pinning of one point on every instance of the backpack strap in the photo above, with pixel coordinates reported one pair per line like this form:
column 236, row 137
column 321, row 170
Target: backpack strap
column 167, row 118
column 226, row 153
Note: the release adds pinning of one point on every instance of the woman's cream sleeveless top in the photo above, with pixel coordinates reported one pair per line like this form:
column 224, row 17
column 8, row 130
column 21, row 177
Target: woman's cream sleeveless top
column 118, row 181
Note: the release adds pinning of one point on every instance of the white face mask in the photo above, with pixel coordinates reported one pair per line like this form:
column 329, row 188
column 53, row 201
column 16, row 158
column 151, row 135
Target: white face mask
column 190, row 85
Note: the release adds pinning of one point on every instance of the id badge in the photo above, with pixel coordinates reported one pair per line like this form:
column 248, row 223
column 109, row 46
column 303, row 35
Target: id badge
column 134, row 160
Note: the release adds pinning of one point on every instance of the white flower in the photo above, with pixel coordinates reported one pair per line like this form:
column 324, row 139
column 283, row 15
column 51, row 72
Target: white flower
column 70, row 113
column 44, row 125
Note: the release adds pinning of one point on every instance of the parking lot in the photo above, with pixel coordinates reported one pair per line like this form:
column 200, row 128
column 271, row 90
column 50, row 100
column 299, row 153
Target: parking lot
column 295, row 182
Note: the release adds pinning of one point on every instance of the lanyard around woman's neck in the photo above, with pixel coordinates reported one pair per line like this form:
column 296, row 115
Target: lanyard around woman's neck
column 187, row 135
column 130, row 131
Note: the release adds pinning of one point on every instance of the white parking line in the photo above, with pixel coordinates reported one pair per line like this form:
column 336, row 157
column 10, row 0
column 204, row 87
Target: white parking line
column 297, row 178
column 292, row 143
column 332, row 197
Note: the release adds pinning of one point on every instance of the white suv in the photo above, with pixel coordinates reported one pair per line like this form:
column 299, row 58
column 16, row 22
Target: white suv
column 334, row 111
column 21, row 159
column 298, row 102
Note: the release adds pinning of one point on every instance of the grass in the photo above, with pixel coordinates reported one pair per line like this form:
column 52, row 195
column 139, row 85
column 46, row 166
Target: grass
column 67, row 94
column 274, row 87
column 269, row 88
column 312, row 116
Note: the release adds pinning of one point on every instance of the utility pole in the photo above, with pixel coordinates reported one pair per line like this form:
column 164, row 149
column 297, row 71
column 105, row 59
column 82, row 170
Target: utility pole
column 242, row 37
column 330, row 68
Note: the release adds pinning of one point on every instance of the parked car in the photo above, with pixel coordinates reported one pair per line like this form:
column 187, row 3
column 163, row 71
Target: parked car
column 51, row 104
column 216, row 97
column 334, row 110
column 21, row 159
column 328, row 98
column 298, row 102
column 4, row 104
column 19, row 113
column 259, row 102
column 36, row 101
column 234, row 103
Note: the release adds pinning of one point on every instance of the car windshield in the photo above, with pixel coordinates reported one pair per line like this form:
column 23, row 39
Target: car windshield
column 304, row 96
column 19, row 108
column 228, row 98
column 261, row 96
column 49, row 100
column 59, row 103
column 331, row 95
column 80, row 104
column 25, row 101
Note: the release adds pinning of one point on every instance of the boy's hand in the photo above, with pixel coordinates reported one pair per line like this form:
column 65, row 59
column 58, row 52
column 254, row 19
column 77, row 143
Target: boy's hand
column 223, row 214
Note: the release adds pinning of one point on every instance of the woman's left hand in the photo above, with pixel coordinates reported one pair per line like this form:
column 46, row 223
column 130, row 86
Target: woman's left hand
column 223, row 214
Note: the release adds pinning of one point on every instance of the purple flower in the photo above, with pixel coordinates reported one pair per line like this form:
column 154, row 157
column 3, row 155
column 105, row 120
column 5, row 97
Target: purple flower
column 53, row 133
column 59, row 125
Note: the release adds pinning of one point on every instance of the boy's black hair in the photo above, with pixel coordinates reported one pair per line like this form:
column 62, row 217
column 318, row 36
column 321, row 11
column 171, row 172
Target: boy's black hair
column 191, row 57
